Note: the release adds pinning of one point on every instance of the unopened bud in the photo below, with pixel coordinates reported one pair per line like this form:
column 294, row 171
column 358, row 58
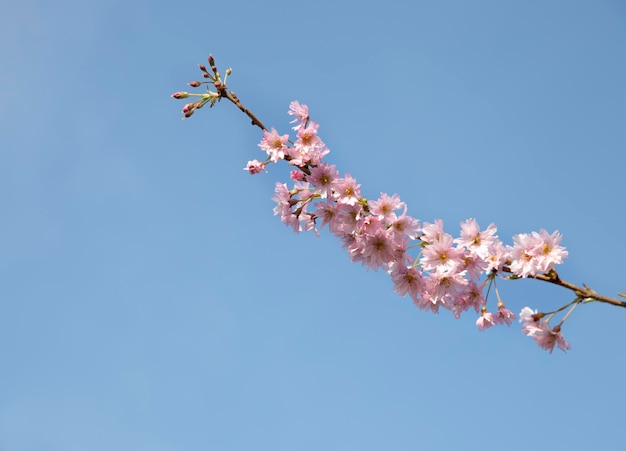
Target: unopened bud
column 229, row 71
column 194, row 84
column 180, row 95
column 211, row 60
column 189, row 107
column 202, row 67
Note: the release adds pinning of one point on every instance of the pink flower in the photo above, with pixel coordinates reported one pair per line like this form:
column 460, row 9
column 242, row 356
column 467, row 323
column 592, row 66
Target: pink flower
column 503, row 316
column 303, row 189
column 327, row 212
column 523, row 264
column 485, row 321
column 283, row 198
column 549, row 253
column 474, row 265
column 432, row 232
column 307, row 222
column 347, row 191
column 498, row 255
column 322, row 178
column 443, row 287
column 377, row 249
column 536, row 252
column 385, row 206
column 405, row 225
column 274, row 144
column 547, row 338
column 349, row 217
column 296, row 175
column 309, row 148
column 471, row 297
column 282, row 195
column 406, row 280
column 441, row 254
column 254, row 167
column 530, row 320
column 475, row 241
column 301, row 112
column 307, row 138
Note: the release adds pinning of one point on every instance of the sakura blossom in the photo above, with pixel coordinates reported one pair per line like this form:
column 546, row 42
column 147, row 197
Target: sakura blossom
column 448, row 273
column 435, row 269
column 274, row 145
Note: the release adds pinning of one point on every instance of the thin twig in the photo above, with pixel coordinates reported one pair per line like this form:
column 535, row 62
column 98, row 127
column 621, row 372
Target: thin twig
column 583, row 292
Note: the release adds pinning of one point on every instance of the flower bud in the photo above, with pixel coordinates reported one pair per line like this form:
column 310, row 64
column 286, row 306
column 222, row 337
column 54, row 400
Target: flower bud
column 211, row 61
column 180, row 95
column 194, row 84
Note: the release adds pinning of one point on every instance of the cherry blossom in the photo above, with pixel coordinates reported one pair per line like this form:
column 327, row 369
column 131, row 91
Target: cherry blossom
column 436, row 270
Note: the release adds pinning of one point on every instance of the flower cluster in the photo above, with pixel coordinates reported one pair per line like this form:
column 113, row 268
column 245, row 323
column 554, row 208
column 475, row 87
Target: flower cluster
column 544, row 335
column 450, row 273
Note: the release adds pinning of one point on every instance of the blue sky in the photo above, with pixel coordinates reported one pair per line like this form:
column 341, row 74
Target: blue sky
column 150, row 299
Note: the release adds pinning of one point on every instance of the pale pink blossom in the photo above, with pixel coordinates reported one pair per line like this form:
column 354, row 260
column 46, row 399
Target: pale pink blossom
column 296, row 175
column 544, row 335
column 405, row 225
column 386, row 206
column 470, row 297
column 327, row 212
column 529, row 319
column 282, row 197
column 547, row 338
column 274, row 144
column 322, row 178
column 377, row 249
column 536, row 252
column 498, row 255
column 406, row 280
column 441, row 253
column 474, row 265
column 346, row 190
column 503, row 315
column 475, row 241
column 523, row 263
column 307, row 222
column 349, row 217
column 281, row 194
column 307, row 138
column 254, row 167
column 443, row 287
column 301, row 113
column 432, row 232
column 303, row 189
column 549, row 252
column 485, row 321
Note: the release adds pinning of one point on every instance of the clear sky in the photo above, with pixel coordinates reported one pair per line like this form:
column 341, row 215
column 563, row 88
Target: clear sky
column 150, row 300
